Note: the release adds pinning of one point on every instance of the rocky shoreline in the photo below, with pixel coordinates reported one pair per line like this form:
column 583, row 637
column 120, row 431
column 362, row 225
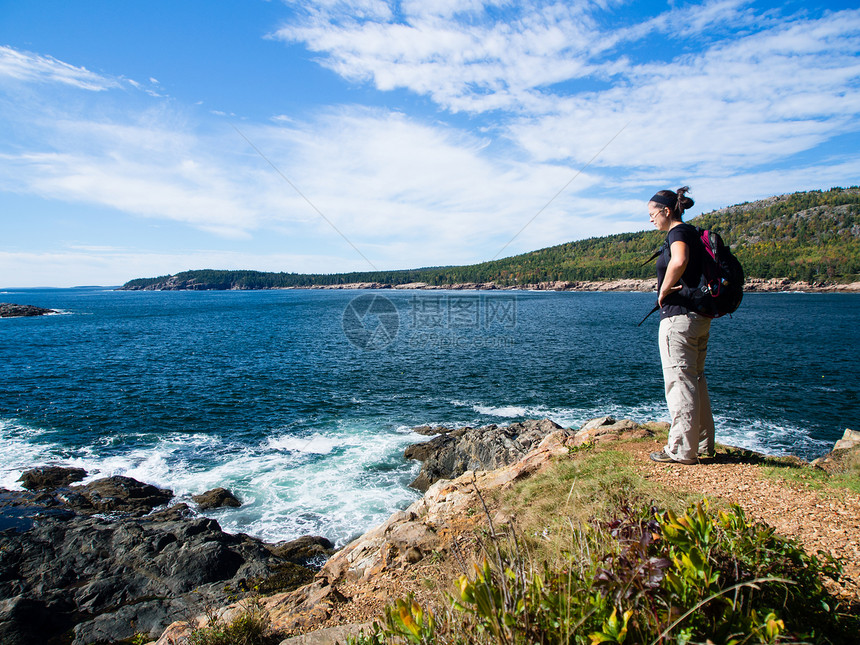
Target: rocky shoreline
column 760, row 285
column 643, row 285
column 373, row 568
column 752, row 285
column 112, row 559
column 104, row 561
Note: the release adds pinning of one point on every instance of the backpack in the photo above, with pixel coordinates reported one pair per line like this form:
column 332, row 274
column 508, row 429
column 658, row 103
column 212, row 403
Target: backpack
column 721, row 287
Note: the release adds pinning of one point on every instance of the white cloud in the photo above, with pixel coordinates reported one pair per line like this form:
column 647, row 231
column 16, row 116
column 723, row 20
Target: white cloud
column 752, row 101
column 24, row 66
column 451, row 52
column 787, row 86
column 479, row 56
column 384, row 179
column 403, row 191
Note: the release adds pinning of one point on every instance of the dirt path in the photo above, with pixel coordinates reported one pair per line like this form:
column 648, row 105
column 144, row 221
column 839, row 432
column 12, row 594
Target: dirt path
column 821, row 520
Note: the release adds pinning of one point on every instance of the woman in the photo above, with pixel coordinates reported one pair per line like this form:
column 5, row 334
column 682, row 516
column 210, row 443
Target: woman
column 683, row 333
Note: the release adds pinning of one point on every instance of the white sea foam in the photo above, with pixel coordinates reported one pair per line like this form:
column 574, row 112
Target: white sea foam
column 769, row 437
column 23, row 447
column 317, row 443
column 338, row 482
column 340, row 493
column 568, row 417
column 509, row 411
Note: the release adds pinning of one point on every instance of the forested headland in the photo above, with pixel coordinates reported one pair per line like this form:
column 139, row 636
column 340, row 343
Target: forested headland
column 809, row 236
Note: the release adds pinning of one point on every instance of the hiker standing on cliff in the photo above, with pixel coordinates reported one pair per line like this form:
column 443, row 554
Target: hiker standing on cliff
column 683, row 333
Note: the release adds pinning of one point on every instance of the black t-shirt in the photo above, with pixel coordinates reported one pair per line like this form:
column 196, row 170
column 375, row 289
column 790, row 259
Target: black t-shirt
column 677, row 303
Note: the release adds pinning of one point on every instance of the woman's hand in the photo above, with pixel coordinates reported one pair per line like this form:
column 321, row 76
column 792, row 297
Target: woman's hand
column 666, row 292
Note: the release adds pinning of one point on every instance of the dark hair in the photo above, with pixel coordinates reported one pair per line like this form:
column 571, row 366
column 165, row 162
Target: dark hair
column 677, row 202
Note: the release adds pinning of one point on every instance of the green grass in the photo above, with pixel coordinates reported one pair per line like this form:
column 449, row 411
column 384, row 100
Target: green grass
column 845, row 476
column 575, row 490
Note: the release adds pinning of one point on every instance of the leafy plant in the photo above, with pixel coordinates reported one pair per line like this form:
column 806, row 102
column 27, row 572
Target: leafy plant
column 251, row 627
column 640, row 577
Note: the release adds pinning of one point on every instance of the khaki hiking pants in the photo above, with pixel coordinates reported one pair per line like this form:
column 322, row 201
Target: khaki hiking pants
column 683, row 346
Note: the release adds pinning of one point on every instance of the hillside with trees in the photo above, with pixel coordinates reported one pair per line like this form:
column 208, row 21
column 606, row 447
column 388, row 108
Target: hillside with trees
column 809, row 236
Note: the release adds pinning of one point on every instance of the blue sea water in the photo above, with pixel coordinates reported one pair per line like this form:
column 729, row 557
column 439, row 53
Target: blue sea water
column 302, row 402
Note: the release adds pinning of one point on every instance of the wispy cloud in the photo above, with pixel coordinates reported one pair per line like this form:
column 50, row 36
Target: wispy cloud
column 459, row 54
column 25, row 66
column 386, row 179
column 147, row 168
column 481, row 56
column 785, row 87
column 739, row 104
column 404, row 191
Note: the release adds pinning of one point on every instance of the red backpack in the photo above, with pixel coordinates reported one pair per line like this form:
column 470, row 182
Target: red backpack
column 721, row 287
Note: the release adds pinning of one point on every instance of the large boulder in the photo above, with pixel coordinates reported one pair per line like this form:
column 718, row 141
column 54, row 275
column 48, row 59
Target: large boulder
column 456, row 451
column 117, row 494
column 607, row 428
column 216, row 498
column 51, row 477
column 307, row 550
column 845, row 456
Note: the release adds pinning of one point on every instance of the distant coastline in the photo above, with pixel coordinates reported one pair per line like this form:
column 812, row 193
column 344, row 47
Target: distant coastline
column 643, row 285
column 810, row 239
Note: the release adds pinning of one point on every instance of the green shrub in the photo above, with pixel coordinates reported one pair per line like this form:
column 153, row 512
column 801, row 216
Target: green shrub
column 251, row 627
column 642, row 576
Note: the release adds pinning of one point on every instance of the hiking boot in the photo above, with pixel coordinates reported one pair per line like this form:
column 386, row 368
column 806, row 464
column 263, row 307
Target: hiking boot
column 663, row 458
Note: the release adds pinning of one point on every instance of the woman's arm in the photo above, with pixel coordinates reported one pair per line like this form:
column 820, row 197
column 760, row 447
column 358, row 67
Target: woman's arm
column 680, row 256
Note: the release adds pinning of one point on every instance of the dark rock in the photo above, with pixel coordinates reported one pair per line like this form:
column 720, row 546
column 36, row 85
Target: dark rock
column 51, row 477
column 216, row 498
column 107, row 577
column 9, row 310
column 174, row 513
column 19, row 510
column 453, row 453
column 117, row 494
column 431, row 431
column 27, row 621
column 307, row 550
column 287, row 577
column 425, row 450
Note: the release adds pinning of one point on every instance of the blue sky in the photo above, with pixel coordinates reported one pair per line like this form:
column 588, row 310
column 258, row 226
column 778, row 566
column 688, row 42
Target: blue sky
column 146, row 138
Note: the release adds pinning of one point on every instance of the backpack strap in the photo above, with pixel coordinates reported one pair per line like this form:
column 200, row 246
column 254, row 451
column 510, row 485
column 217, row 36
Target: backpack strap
column 656, row 307
column 656, row 253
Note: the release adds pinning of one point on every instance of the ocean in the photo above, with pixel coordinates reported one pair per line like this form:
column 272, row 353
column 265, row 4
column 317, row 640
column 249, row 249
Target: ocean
column 302, row 401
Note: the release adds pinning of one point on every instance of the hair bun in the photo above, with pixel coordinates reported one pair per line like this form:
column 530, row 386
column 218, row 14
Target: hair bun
column 684, row 202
